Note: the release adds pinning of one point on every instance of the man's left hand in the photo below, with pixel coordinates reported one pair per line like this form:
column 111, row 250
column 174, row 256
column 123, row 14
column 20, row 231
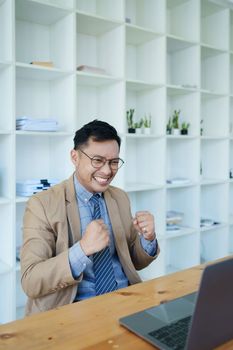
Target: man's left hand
column 144, row 224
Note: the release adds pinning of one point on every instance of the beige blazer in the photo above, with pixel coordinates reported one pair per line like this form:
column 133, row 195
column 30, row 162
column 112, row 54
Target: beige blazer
column 51, row 225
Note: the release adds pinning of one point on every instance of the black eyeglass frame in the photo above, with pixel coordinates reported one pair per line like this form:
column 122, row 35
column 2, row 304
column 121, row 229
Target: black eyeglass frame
column 104, row 161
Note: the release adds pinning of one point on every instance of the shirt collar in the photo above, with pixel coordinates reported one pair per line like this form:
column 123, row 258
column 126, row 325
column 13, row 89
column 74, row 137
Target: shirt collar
column 81, row 193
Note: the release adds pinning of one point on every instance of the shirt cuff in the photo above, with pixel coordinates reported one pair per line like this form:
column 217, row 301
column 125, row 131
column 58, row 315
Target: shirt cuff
column 150, row 247
column 78, row 260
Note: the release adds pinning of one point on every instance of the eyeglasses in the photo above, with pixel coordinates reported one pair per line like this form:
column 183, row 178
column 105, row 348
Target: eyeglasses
column 98, row 161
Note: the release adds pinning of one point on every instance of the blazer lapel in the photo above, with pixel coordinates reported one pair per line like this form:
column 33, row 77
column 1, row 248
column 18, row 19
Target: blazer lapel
column 72, row 212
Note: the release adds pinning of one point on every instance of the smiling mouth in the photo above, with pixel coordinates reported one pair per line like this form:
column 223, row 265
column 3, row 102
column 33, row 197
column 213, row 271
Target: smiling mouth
column 101, row 180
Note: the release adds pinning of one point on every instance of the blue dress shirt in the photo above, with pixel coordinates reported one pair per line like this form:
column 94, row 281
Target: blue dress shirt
column 80, row 263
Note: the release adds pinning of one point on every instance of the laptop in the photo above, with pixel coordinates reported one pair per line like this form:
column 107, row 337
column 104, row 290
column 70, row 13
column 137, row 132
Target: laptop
column 197, row 321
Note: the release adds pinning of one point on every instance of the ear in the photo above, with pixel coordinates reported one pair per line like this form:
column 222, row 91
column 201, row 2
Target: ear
column 74, row 157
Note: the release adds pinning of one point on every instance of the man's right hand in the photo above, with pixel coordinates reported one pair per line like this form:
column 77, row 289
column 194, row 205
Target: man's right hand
column 95, row 238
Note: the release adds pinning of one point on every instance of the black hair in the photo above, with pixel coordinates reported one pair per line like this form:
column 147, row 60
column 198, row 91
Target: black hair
column 96, row 130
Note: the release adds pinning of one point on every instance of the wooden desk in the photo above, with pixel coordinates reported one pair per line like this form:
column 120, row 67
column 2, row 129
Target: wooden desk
column 93, row 324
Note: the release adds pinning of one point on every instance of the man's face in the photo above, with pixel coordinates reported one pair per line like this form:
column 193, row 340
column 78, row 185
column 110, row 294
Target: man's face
column 95, row 180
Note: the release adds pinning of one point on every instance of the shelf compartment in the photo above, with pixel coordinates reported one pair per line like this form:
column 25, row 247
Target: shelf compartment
column 214, row 70
column 148, row 102
column 214, row 203
column 36, row 72
column 6, row 239
column 183, row 159
column 212, row 34
column 6, row 98
column 182, row 100
column 6, row 31
column 108, row 9
column 95, row 79
column 98, row 101
column 183, row 19
column 147, row 14
column 214, row 244
column 145, row 62
column 177, row 199
column 182, row 63
column 211, row 108
column 136, row 35
column 47, row 99
column 190, row 248
column 7, row 309
column 49, row 31
column 137, row 153
column 231, row 72
column 153, row 201
column 95, row 48
column 214, row 159
column 43, row 154
column 6, row 166
column 231, row 31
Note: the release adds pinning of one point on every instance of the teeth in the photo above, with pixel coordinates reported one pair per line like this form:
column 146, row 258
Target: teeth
column 101, row 180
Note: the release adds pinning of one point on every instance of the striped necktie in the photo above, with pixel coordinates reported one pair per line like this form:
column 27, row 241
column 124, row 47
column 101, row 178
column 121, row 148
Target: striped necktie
column 102, row 264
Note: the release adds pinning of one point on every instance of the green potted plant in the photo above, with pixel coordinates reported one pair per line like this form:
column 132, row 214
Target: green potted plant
column 175, row 122
column 138, row 126
column 184, row 128
column 130, row 122
column 169, row 127
column 147, row 124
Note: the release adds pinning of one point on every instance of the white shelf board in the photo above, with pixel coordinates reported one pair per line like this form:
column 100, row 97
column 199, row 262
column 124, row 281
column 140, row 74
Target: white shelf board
column 190, row 184
column 174, row 3
column 4, row 268
column 21, row 199
column 173, row 90
column 213, row 227
column 94, row 25
column 175, row 43
column 140, row 85
column 136, row 35
column 43, row 133
column 182, row 137
column 212, row 50
column 36, row 72
column 4, row 200
column 182, row 232
column 90, row 79
column 207, row 94
column 142, row 136
column 5, row 132
column 4, row 64
column 214, row 137
column 39, row 12
column 137, row 187
column 208, row 181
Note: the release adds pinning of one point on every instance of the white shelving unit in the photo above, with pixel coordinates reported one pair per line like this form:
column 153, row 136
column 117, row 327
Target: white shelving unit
column 155, row 57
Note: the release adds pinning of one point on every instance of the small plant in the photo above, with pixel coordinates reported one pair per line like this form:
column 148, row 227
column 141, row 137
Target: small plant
column 147, row 121
column 129, row 117
column 201, row 127
column 175, row 119
column 184, row 128
column 169, row 126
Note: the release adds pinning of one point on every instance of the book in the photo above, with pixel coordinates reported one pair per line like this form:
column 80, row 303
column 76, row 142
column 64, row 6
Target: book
column 91, row 69
column 48, row 64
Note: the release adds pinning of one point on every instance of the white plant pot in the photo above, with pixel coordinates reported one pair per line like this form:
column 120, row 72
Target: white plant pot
column 139, row 131
column 147, row 131
column 175, row 131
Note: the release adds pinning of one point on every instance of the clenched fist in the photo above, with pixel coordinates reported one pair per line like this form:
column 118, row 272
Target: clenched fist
column 144, row 224
column 95, row 238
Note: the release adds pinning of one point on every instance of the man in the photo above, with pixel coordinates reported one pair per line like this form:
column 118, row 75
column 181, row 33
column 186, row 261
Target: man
column 79, row 236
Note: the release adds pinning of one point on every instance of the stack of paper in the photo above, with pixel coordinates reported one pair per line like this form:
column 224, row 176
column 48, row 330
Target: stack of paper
column 174, row 220
column 27, row 188
column 30, row 124
column 179, row 181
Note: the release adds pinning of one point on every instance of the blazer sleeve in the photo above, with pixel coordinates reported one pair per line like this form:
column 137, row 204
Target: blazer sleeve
column 44, row 270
